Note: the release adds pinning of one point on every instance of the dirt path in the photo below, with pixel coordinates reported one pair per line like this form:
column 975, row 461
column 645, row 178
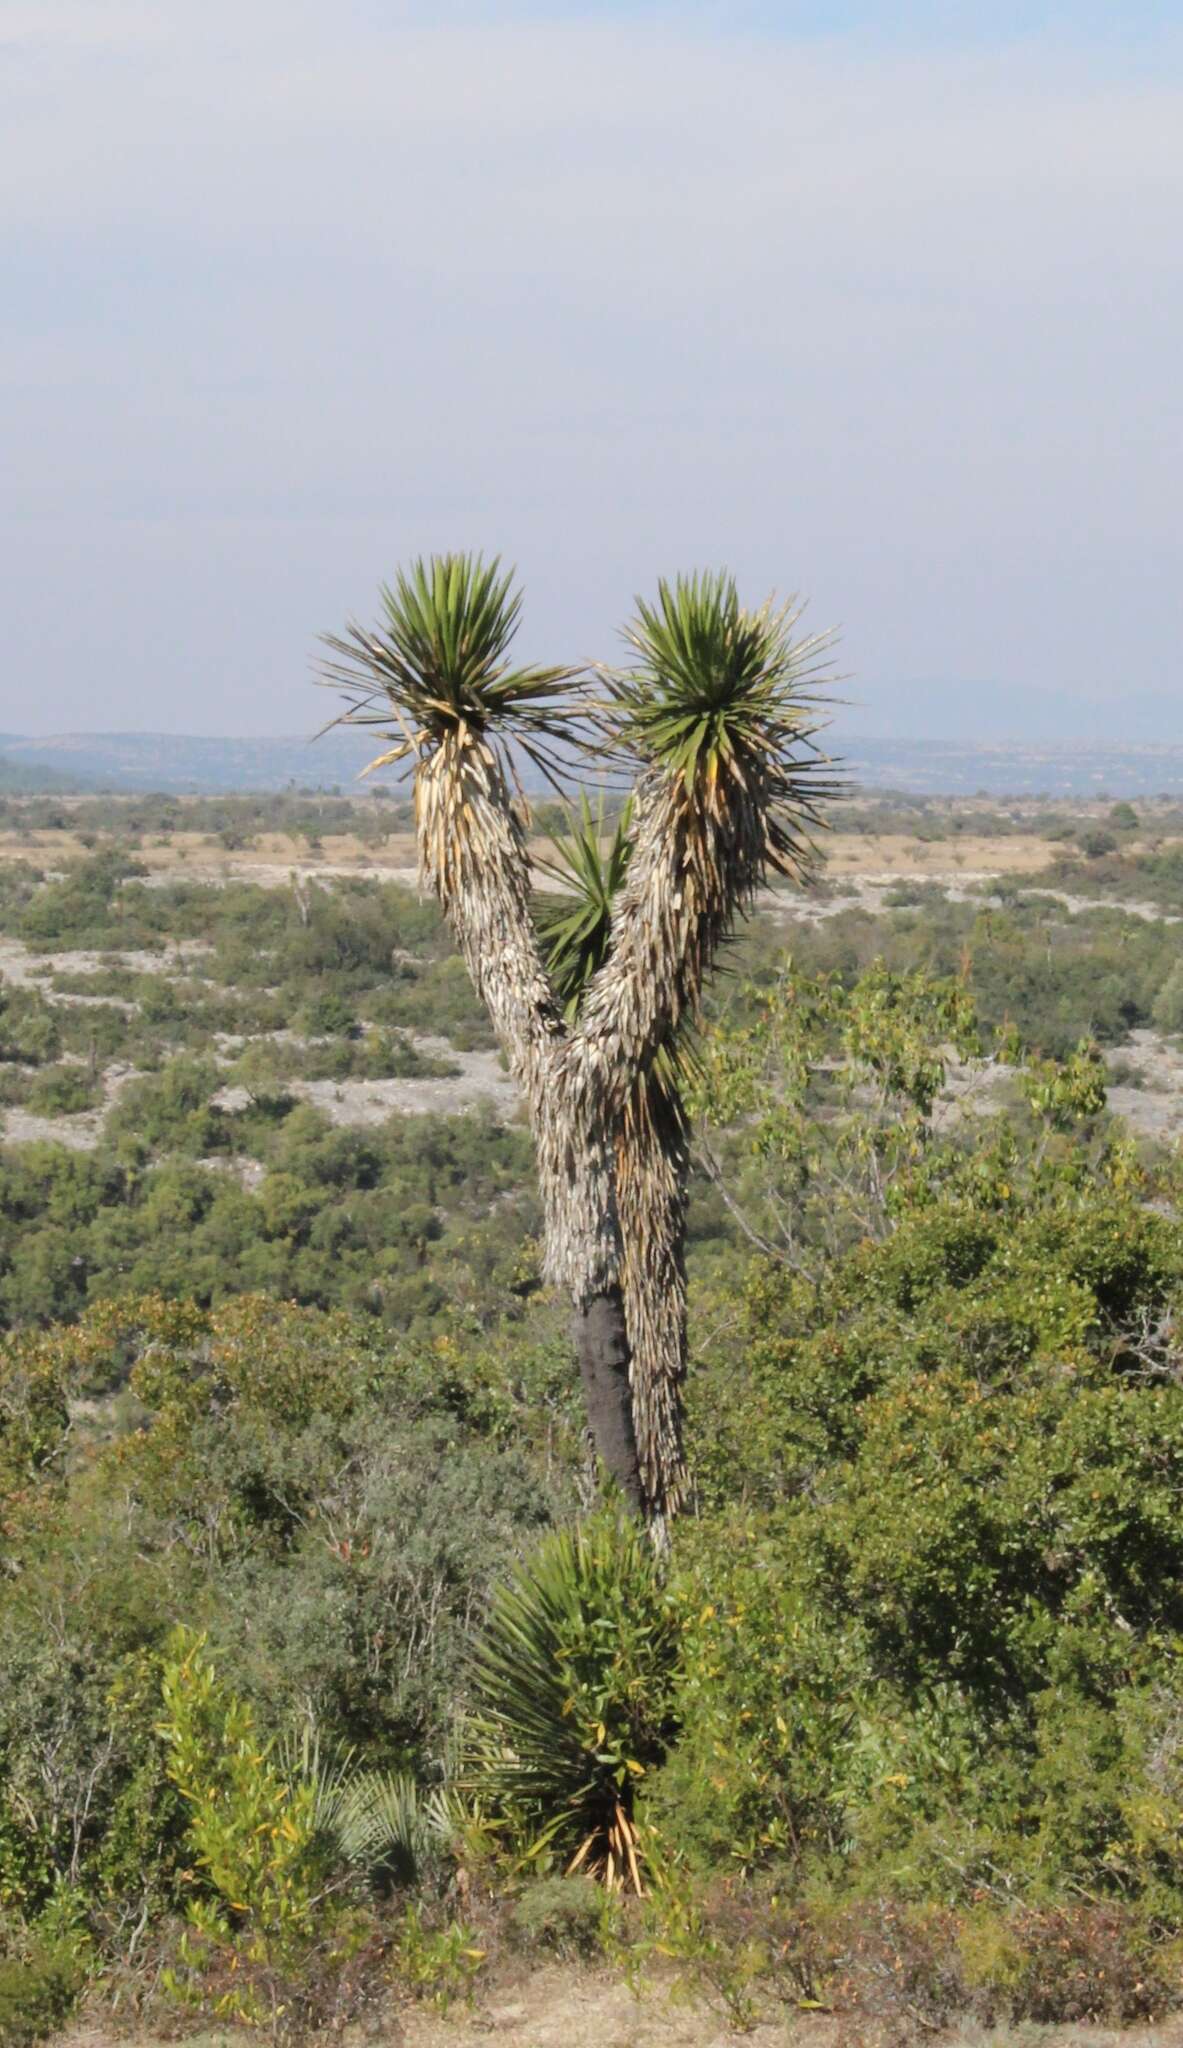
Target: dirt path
column 559, row 2008
column 578, row 2008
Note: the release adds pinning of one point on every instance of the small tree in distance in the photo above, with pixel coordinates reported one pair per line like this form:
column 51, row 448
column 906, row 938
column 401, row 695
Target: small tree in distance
column 715, row 714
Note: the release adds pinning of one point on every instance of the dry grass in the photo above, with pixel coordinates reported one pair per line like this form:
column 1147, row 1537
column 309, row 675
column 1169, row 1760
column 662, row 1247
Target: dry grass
column 899, row 853
column 272, row 860
column 199, row 855
column 272, row 856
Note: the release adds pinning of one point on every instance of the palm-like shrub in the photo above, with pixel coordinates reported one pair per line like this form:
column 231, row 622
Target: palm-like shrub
column 717, row 714
column 571, row 1681
column 375, row 1821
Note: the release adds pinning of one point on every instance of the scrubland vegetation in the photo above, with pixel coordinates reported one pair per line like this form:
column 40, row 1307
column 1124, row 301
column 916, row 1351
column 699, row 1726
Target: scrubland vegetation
column 325, row 1650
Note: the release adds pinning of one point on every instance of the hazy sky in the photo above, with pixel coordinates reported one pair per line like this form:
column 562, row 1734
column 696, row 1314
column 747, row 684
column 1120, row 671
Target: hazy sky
column 883, row 304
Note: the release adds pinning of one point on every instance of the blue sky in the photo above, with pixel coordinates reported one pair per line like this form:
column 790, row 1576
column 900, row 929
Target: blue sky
column 883, row 305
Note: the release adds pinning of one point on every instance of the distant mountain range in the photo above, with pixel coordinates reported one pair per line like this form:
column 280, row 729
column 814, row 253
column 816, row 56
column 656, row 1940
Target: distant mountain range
column 185, row 765
column 128, row 762
column 960, row 768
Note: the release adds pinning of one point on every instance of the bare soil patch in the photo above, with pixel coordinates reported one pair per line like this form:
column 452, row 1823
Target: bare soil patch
column 27, row 967
column 481, row 1078
column 1154, row 1109
column 576, row 2007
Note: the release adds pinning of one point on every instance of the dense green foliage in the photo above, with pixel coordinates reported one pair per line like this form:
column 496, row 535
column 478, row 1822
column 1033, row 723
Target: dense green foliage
column 371, row 1219
column 943, row 1606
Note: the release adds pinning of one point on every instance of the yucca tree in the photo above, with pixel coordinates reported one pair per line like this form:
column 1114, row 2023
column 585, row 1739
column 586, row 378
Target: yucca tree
column 715, row 713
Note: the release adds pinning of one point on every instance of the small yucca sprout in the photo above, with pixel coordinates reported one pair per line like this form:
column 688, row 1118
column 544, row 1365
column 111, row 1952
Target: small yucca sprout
column 575, row 926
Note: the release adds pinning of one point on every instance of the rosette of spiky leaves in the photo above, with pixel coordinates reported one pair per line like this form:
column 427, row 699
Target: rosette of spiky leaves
column 722, row 695
column 572, row 1687
column 438, row 659
column 721, row 712
column 374, row 1820
column 439, row 662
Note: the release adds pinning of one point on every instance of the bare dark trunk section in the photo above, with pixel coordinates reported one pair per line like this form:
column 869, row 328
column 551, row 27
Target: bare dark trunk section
column 601, row 1340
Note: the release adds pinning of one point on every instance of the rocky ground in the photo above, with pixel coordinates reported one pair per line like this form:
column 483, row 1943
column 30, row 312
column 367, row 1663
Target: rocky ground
column 861, row 871
column 1147, row 1090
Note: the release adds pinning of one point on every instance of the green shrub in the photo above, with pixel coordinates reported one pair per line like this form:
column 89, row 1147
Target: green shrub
column 561, row 1916
column 331, row 1507
column 29, row 1029
column 254, row 1835
column 950, row 1649
column 33, row 1409
column 1168, row 1006
column 63, row 1091
column 329, row 1014
column 38, row 1991
column 765, row 1693
column 265, row 1929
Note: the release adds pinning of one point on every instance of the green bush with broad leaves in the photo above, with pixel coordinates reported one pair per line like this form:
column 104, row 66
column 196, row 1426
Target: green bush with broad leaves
column 932, row 1626
column 253, row 1834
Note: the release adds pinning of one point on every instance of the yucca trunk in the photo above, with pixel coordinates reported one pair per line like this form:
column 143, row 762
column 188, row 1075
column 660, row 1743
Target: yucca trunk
column 610, row 1137
column 696, row 863
column 472, row 855
column 652, row 1174
column 694, row 868
column 600, row 1332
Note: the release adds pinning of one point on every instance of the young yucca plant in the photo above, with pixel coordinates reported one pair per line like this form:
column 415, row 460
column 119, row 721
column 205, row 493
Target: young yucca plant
column 572, row 1686
column 575, row 924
